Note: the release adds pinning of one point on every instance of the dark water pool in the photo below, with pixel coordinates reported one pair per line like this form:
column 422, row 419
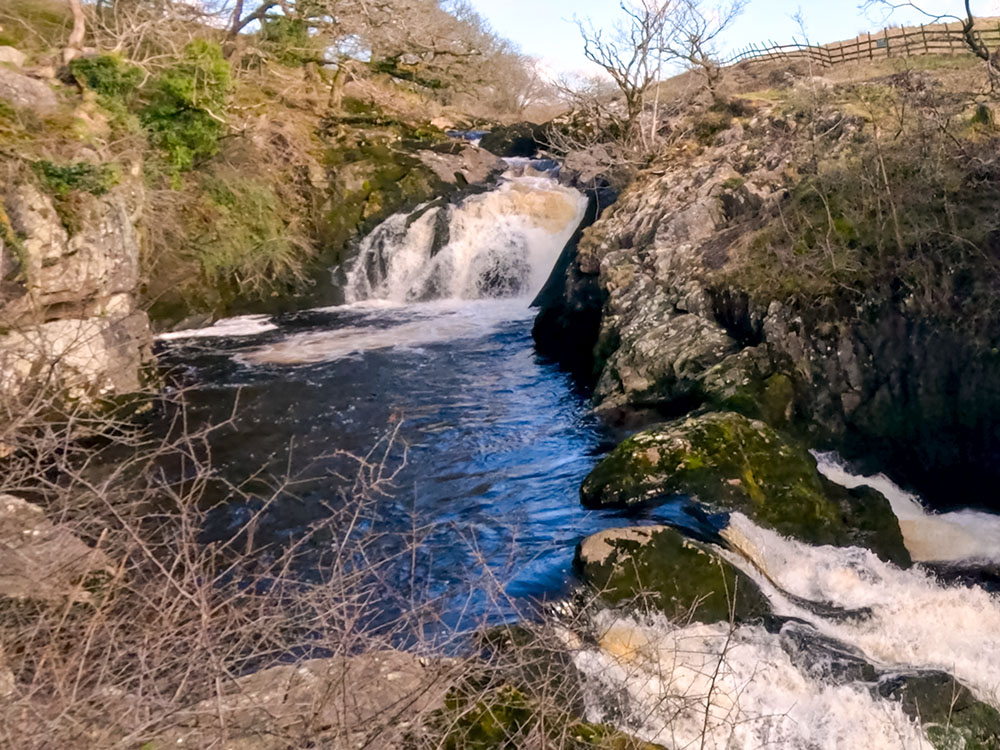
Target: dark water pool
column 497, row 440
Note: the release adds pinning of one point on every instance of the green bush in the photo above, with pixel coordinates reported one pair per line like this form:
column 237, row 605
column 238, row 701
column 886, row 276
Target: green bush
column 108, row 75
column 287, row 40
column 184, row 115
column 243, row 237
column 62, row 179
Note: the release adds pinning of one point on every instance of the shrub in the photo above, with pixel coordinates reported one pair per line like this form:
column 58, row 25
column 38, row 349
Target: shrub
column 184, row 116
column 286, row 39
column 108, row 75
column 62, row 179
column 243, row 237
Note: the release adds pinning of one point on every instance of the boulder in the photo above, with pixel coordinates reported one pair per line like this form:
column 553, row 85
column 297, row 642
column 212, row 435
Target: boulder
column 27, row 93
column 522, row 139
column 729, row 462
column 42, row 561
column 657, row 566
column 469, row 166
column 342, row 703
column 12, row 56
column 952, row 717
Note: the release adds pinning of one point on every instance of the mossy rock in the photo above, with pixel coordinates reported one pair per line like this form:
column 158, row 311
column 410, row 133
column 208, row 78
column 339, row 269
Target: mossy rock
column 656, row 566
column 732, row 463
column 507, row 717
column 952, row 717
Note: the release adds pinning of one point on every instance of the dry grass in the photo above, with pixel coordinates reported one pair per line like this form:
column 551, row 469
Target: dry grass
column 245, row 643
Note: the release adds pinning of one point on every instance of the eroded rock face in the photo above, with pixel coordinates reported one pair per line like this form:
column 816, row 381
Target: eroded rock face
column 344, row 703
column 656, row 566
column 731, row 463
column 68, row 317
column 25, row 92
column 678, row 329
column 42, row 561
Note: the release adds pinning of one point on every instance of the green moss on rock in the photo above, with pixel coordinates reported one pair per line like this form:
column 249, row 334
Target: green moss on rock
column 732, row 463
column 656, row 566
column 506, row 717
column 952, row 717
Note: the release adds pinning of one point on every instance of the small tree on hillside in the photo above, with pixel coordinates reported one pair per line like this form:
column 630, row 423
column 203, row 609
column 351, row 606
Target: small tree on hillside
column 630, row 53
column 655, row 34
column 696, row 30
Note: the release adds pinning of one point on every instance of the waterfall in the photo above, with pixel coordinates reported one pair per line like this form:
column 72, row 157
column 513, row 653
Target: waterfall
column 749, row 687
column 501, row 243
column 964, row 536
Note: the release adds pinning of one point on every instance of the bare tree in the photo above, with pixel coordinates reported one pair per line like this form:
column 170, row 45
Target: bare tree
column 75, row 43
column 631, row 52
column 696, row 31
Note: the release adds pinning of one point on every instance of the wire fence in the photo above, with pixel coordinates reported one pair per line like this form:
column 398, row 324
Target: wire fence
column 939, row 39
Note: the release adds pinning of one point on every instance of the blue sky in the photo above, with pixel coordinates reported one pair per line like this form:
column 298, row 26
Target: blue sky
column 545, row 29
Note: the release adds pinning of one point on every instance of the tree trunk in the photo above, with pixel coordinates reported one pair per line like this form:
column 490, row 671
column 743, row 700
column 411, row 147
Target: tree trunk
column 75, row 44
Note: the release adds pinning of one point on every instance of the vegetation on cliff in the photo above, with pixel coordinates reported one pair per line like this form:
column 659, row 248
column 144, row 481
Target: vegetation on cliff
column 264, row 147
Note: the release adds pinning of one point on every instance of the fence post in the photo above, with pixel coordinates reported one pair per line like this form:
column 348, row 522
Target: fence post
column 871, row 53
column 923, row 36
column 885, row 35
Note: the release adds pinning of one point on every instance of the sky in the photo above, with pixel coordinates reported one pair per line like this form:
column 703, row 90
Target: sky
column 544, row 28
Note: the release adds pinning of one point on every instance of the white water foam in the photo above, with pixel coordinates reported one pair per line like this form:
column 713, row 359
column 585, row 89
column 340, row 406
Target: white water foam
column 742, row 688
column 965, row 536
column 407, row 327
column 911, row 619
column 244, row 325
column 702, row 686
column 502, row 243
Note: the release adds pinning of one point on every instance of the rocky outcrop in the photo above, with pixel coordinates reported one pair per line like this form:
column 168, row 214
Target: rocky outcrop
column 68, row 315
column 25, row 92
column 43, row 561
column 657, row 567
column 344, row 703
column 950, row 713
column 522, row 139
column 728, row 462
column 681, row 324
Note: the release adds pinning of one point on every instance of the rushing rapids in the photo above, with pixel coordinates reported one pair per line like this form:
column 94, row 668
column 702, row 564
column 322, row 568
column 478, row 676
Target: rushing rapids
column 436, row 331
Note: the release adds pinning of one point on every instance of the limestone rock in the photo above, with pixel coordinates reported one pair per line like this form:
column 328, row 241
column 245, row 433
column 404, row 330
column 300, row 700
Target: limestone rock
column 84, row 357
column 40, row 560
column 12, row 56
column 342, row 703
column 27, row 93
column 731, row 463
column 471, row 165
column 69, row 319
column 657, row 566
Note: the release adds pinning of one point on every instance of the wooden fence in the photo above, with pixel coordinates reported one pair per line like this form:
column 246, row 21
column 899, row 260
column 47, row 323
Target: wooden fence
column 939, row 39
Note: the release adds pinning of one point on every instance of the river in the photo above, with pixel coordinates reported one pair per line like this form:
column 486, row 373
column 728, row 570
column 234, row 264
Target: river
column 489, row 446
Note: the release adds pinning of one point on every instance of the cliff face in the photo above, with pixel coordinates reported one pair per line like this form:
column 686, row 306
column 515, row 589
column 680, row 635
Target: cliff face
column 67, row 306
column 700, row 305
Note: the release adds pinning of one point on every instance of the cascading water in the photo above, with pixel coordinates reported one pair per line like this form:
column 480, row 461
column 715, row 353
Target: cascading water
column 501, row 243
column 438, row 335
column 748, row 687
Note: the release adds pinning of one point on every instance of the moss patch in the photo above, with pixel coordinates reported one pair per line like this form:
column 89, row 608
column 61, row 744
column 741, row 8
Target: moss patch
column 658, row 567
column 505, row 717
column 732, row 463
